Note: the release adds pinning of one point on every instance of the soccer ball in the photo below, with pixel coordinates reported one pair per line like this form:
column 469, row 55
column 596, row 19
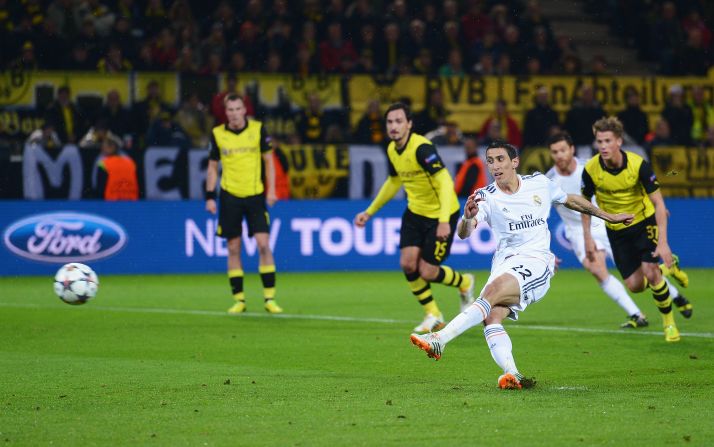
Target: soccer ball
column 76, row 283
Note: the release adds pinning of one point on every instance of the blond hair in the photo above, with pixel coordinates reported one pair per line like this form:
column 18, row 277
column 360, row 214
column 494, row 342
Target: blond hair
column 609, row 124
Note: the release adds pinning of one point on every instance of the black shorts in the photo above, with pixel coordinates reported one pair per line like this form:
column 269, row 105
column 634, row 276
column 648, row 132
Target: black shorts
column 634, row 245
column 420, row 231
column 232, row 210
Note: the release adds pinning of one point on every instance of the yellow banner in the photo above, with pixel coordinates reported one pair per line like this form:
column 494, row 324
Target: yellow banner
column 684, row 171
column 27, row 89
column 270, row 88
column 471, row 100
column 316, row 171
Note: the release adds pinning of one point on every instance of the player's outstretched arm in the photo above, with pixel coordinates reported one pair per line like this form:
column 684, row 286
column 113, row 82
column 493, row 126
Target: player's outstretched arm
column 389, row 189
column 582, row 205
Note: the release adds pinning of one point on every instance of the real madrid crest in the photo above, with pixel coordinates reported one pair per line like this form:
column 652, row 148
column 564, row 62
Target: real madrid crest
column 537, row 200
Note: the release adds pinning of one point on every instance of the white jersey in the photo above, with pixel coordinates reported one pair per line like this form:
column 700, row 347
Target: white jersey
column 519, row 220
column 572, row 184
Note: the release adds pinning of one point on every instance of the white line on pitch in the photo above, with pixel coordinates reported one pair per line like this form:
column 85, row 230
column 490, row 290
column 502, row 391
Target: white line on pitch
column 215, row 313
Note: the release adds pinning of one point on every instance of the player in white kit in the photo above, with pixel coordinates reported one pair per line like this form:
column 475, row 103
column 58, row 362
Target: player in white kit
column 567, row 173
column 516, row 208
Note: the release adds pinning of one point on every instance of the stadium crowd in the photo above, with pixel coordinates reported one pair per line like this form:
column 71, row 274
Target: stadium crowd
column 390, row 38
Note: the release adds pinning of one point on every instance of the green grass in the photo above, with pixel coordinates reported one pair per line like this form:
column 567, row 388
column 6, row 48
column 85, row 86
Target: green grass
column 154, row 360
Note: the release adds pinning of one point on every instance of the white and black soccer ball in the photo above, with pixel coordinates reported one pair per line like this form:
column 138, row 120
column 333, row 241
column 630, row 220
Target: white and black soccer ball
column 76, row 283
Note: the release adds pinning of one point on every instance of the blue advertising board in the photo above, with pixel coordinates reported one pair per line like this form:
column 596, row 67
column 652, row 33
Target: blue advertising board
column 179, row 236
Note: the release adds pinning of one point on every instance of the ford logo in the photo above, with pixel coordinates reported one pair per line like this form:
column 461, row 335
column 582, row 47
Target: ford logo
column 63, row 237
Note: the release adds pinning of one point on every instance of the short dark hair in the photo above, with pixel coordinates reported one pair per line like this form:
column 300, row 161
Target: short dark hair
column 500, row 144
column 233, row 97
column 560, row 136
column 398, row 106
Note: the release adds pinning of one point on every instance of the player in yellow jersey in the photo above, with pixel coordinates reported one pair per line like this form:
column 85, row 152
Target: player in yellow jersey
column 430, row 219
column 623, row 182
column 241, row 145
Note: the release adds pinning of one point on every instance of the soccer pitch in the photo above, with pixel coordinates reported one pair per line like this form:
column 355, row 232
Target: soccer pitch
column 155, row 360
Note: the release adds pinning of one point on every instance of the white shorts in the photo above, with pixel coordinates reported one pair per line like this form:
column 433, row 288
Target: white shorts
column 533, row 276
column 577, row 241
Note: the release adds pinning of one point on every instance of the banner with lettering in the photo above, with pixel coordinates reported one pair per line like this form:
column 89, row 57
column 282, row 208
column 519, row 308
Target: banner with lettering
column 306, row 235
column 470, row 100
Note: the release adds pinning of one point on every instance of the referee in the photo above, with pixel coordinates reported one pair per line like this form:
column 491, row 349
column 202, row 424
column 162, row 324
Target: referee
column 241, row 145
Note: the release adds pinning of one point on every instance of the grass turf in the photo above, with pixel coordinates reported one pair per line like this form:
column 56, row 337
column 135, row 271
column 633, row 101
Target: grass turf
column 154, row 360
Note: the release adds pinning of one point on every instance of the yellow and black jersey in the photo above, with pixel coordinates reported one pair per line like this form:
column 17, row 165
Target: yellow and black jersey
column 240, row 153
column 416, row 165
column 622, row 190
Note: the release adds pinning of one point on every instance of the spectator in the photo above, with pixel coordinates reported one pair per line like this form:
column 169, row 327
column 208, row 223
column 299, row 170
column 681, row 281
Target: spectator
column 147, row 110
column 422, row 65
column 51, row 45
column 163, row 131
column 515, row 49
column 215, row 42
column 113, row 61
column 472, row 173
column 541, row 49
column 123, row 36
column 66, row 117
column 679, row 116
column 693, row 58
column 433, row 115
column 155, row 17
column 702, row 114
column 27, row 61
column 539, row 120
column 370, row 128
column 493, row 134
column 581, row 116
column 598, row 65
column 164, row 50
column 510, row 132
column 118, row 118
column 485, row 65
column 709, row 141
column 61, row 12
column 335, row 48
column 489, row 44
column 533, row 67
column 448, row 134
column 633, row 118
column 666, row 38
column 116, row 173
column 218, row 109
column 213, row 65
column 661, row 136
column 454, row 66
column 45, row 137
column 101, row 16
column 96, row 135
column 79, row 58
column 145, row 61
column 389, row 52
column 416, row 39
column 312, row 125
column 195, row 120
column 475, row 23
column 188, row 60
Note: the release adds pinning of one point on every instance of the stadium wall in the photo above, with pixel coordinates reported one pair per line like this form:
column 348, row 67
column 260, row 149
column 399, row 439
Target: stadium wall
column 307, row 235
